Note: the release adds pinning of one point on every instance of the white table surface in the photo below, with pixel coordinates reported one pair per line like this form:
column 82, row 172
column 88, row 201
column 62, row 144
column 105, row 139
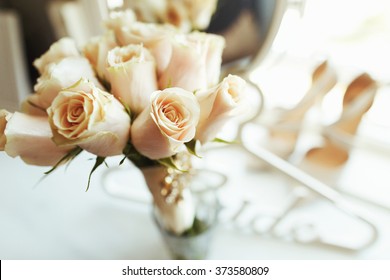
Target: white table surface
column 56, row 219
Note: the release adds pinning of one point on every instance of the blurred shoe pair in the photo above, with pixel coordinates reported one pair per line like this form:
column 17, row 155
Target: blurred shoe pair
column 285, row 126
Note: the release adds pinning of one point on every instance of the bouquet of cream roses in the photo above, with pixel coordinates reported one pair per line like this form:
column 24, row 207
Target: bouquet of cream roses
column 145, row 91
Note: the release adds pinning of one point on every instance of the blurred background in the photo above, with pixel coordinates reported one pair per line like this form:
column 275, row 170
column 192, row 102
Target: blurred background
column 353, row 34
column 278, row 45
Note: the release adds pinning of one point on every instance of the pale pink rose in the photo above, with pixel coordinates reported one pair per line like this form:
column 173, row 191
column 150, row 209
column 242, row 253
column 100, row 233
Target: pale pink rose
column 155, row 37
column 29, row 137
column 65, row 47
column 218, row 105
column 189, row 14
column 146, row 10
column 132, row 74
column 177, row 14
column 200, row 12
column 86, row 116
column 119, row 19
column 187, row 66
column 169, row 122
column 215, row 45
column 56, row 77
column 96, row 50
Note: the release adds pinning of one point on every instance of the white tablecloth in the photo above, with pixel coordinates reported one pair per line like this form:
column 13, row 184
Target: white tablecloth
column 55, row 218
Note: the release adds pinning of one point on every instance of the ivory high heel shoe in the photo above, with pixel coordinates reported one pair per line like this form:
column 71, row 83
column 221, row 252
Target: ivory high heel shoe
column 323, row 79
column 325, row 162
column 283, row 126
column 358, row 99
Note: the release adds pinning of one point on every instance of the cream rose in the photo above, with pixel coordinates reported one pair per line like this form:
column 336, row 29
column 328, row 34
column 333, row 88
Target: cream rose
column 177, row 14
column 201, row 12
column 187, row 66
column 96, row 50
column 119, row 19
column 132, row 73
column 218, row 105
column 146, row 10
column 189, row 14
column 171, row 120
column 65, row 47
column 86, row 116
column 155, row 37
column 215, row 45
column 56, row 77
column 29, row 137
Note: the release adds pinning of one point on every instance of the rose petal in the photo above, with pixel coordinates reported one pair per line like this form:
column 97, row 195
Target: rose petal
column 132, row 73
column 30, row 138
column 218, row 105
column 86, row 116
column 65, row 47
column 160, row 130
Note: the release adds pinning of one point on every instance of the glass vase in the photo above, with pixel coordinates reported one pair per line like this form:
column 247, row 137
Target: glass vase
column 185, row 211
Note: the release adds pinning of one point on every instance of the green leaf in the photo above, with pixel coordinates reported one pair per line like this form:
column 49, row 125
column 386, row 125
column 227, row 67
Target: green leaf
column 170, row 163
column 219, row 140
column 99, row 161
column 122, row 160
column 197, row 228
column 66, row 158
column 191, row 147
column 135, row 157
